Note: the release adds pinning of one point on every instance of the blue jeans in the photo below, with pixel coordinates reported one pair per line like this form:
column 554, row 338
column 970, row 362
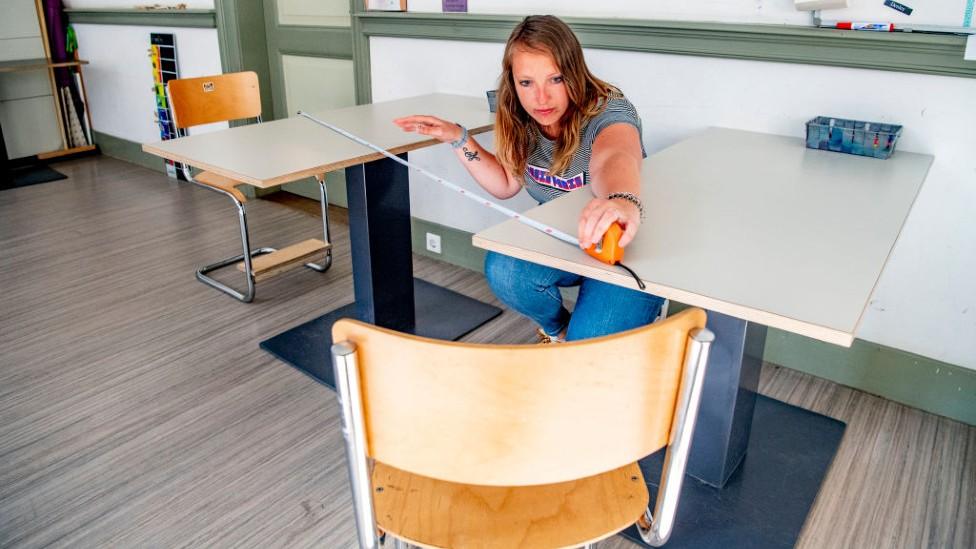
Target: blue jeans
column 601, row 308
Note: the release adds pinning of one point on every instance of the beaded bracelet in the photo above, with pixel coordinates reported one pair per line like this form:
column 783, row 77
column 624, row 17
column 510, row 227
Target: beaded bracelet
column 632, row 198
column 461, row 140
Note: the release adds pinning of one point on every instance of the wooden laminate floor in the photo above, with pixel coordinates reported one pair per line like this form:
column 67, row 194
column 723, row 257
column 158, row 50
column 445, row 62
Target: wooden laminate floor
column 136, row 409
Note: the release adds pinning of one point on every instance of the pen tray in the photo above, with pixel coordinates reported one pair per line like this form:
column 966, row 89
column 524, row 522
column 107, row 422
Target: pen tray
column 852, row 136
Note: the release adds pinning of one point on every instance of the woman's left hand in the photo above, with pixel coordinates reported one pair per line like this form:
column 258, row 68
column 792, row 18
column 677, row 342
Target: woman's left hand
column 600, row 213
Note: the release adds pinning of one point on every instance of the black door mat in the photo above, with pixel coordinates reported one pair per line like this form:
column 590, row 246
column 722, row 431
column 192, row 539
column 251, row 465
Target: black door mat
column 29, row 175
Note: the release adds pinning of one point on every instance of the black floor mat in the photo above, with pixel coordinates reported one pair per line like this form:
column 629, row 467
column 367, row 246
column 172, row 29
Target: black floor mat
column 29, row 175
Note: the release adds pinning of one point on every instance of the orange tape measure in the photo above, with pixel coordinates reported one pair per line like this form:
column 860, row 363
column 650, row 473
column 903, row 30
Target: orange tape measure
column 608, row 249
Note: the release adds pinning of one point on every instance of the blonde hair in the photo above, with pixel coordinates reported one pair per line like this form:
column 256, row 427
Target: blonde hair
column 515, row 130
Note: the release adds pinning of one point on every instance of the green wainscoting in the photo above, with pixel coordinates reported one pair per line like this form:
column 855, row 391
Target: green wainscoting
column 130, row 151
column 911, row 379
column 456, row 247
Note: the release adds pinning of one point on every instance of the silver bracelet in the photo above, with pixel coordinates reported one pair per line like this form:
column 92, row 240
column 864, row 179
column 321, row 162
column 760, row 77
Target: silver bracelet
column 632, row 198
column 461, row 140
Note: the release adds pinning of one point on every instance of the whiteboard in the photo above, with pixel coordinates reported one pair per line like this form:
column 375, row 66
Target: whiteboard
column 948, row 13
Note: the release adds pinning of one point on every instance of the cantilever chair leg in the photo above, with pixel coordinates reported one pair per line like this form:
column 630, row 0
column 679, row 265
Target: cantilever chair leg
column 246, row 256
column 324, row 202
column 202, row 272
column 655, row 528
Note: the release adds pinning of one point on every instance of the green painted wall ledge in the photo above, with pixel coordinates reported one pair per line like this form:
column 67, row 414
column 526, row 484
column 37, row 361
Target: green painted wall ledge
column 206, row 19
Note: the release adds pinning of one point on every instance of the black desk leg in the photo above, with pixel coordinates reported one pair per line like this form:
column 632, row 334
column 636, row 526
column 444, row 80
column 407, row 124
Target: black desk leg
column 379, row 230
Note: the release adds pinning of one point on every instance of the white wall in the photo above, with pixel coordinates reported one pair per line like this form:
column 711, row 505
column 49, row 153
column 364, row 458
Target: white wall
column 120, row 81
column 729, row 11
column 925, row 301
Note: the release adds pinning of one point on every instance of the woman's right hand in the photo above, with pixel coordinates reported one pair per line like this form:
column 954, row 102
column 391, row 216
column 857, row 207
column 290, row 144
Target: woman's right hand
column 441, row 130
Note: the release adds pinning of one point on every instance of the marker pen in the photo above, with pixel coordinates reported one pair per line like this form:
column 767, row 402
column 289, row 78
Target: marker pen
column 879, row 27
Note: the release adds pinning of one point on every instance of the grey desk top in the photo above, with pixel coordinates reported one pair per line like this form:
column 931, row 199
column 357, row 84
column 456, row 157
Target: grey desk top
column 273, row 153
column 751, row 225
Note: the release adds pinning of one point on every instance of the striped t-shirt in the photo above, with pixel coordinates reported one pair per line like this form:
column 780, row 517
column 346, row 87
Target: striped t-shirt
column 544, row 186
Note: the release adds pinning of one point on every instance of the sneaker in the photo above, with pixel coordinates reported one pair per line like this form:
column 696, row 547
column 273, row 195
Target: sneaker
column 545, row 339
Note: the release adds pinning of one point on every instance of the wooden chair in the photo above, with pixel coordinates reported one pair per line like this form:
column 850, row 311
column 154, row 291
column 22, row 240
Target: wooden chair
column 229, row 97
column 516, row 446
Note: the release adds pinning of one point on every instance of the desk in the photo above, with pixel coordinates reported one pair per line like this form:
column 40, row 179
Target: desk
column 386, row 294
column 759, row 231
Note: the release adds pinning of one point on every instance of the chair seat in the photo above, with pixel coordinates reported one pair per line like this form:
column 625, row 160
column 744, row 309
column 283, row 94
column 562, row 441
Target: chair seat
column 221, row 182
column 433, row 513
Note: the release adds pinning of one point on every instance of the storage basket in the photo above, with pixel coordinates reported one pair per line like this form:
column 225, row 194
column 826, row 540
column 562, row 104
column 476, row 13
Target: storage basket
column 852, row 136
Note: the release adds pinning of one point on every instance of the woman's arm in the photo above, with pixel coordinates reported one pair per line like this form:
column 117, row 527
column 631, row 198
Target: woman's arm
column 614, row 168
column 481, row 164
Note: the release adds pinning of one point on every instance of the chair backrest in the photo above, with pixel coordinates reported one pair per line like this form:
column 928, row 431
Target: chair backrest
column 517, row 415
column 217, row 98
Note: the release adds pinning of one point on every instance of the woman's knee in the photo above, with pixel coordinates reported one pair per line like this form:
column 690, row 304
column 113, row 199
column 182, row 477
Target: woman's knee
column 499, row 271
column 515, row 280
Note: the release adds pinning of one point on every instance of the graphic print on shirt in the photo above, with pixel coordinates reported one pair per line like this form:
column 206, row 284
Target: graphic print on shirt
column 544, row 178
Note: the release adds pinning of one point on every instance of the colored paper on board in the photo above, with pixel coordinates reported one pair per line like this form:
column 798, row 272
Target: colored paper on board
column 456, row 6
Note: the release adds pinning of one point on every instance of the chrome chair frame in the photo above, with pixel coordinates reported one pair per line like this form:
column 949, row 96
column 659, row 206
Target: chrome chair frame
column 248, row 254
column 654, row 527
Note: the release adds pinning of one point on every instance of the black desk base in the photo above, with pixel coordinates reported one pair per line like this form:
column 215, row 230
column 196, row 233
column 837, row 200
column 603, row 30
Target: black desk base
column 440, row 314
column 767, row 499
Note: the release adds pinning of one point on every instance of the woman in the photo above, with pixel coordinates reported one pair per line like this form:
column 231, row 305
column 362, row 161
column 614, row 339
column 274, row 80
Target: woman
column 558, row 128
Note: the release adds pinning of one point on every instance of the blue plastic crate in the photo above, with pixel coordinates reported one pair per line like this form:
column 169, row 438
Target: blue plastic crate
column 852, row 136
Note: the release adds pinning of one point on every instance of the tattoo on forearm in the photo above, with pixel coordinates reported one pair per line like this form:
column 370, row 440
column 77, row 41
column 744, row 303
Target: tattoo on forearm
column 471, row 155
